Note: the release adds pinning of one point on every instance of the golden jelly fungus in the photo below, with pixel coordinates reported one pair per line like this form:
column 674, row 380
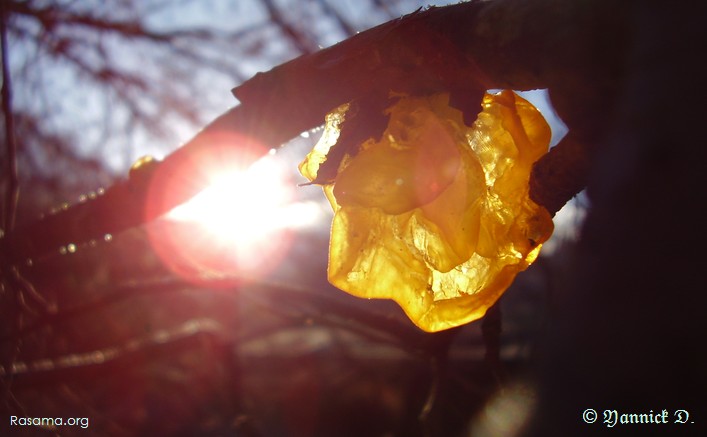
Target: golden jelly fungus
column 436, row 215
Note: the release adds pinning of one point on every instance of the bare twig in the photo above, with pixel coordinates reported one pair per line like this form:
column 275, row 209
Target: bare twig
column 115, row 358
column 16, row 299
column 104, row 301
column 13, row 190
column 345, row 26
column 299, row 40
column 51, row 16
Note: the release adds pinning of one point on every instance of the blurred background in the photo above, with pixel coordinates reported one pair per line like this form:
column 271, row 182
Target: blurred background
column 139, row 340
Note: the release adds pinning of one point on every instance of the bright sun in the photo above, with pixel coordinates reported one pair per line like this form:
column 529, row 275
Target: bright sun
column 241, row 206
column 239, row 226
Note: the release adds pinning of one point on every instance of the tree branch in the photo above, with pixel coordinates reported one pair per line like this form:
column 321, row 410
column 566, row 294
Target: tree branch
column 464, row 49
column 12, row 195
column 300, row 41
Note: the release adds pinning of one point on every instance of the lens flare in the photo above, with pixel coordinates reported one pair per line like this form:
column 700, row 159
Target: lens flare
column 238, row 226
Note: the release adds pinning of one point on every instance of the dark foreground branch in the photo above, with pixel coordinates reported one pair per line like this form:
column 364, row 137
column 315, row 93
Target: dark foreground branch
column 463, row 49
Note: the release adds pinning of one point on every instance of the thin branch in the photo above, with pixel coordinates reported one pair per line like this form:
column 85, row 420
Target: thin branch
column 13, row 190
column 347, row 28
column 11, row 199
column 118, row 358
column 300, row 41
column 52, row 16
column 104, row 301
column 79, row 37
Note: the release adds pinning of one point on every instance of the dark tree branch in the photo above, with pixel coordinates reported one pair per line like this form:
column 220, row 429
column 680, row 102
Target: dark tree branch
column 51, row 17
column 106, row 300
column 89, row 46
column 302, row 44
column 117, row 358
column 345, row 26
column 13, row 189
column 8, row 278
column 561, row 174
column 464, row 49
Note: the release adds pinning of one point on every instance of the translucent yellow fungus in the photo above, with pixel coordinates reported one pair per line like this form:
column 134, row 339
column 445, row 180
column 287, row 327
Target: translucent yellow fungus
column 436, row 215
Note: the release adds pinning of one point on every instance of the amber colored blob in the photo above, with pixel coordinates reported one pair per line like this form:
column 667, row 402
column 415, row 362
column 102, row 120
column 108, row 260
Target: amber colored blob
column 436, row 215
column 409, row 167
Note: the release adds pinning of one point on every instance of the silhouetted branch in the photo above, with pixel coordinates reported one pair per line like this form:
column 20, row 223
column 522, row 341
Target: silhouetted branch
column 463, row 49
column 345, row 26
column 116, row 358
column 102, row 302
column 12, row 195
column 301, row 42
column 52, row 16
column 8, row 277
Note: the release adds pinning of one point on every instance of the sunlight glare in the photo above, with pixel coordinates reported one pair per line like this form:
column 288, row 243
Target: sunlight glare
column 240, row 225
column 242, row 206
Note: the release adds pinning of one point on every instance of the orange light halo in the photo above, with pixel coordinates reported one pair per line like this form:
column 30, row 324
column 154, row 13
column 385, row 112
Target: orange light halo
column 234, row 228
